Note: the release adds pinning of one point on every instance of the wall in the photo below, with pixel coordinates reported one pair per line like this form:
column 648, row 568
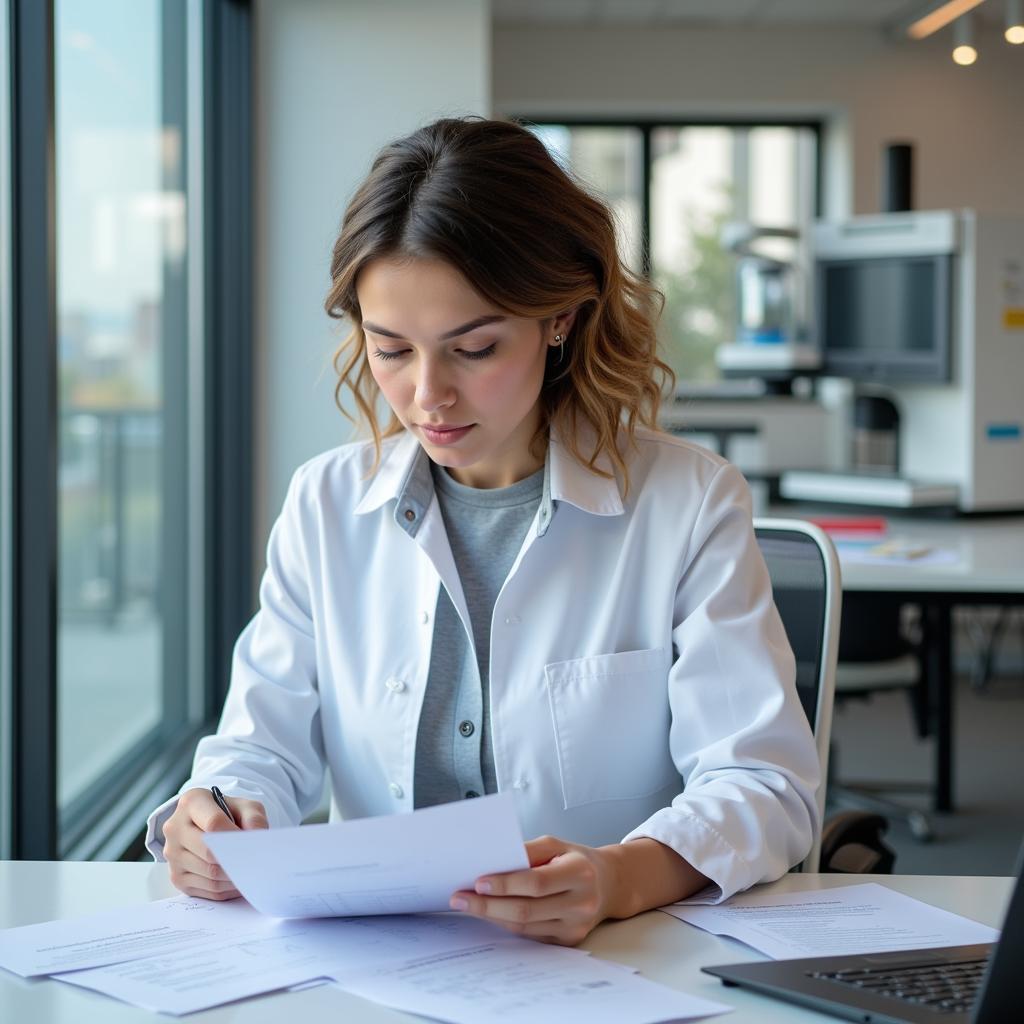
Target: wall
column 966, row 122
column 335, row 80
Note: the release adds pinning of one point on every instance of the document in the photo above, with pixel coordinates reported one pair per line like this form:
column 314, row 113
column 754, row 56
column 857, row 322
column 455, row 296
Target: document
column 895, row 551
column 194, row 979
column 520, row 982
column 866, row 918
column 396, row 864
column 295, row 953
column 114, row 936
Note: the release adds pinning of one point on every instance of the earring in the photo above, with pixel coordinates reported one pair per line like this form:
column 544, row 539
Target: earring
column 560, row 338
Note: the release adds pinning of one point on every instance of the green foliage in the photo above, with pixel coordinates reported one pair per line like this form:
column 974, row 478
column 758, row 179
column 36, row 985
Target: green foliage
column 699, row 297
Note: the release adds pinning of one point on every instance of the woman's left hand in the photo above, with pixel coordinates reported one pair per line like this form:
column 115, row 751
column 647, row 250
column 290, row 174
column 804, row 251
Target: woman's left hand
column 564, row 894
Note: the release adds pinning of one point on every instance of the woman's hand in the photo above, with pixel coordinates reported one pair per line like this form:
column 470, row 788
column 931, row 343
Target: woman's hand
column 194, row 870
column 570, row 889
column 567, row 891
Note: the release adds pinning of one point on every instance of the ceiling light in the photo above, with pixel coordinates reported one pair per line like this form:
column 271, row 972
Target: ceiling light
column 940, row 17
column 1014, row 22
column 963, row 41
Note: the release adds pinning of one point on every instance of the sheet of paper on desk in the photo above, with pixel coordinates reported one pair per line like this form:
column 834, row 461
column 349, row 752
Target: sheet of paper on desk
column 196, row 979
column 522, row 982
column 895, row 551
column 866, row 918
column 397, row 864
column 301, row 951
column 115, row 936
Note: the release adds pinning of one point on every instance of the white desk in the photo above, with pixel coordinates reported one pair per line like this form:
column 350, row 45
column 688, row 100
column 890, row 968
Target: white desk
column 989, row 569
column 664, row 949
column 990, row 558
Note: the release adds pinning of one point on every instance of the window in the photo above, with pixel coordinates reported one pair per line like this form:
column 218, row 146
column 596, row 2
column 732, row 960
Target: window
column 607, row 161
column 124, row 487
column 129, row 577
column 673, row 186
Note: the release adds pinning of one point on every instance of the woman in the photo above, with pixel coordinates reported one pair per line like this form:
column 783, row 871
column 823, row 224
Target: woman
column 519, row 583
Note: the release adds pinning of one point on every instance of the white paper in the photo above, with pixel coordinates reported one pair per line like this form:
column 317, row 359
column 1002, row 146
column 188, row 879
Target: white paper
column 115, row 936
column 395, row 864
column 893, row 551
column 296, row 953
column 867, row 918
column 522, row 982
column 195, row 979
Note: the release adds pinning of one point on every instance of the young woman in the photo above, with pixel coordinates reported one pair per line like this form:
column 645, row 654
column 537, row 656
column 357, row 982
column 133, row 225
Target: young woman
column 519, row 583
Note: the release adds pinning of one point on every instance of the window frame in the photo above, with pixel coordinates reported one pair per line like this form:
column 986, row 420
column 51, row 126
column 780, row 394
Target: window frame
column 6, row 422
column 107, row 821
column 647, row 125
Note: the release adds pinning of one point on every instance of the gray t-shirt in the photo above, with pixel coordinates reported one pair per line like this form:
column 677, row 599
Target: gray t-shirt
column 486, row 529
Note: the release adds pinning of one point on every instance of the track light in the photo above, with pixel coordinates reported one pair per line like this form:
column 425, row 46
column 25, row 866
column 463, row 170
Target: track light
column 964, row 52
column 940, row 15
column 1014, row 22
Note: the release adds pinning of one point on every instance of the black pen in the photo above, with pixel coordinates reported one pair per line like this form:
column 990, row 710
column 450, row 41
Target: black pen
column 223, row 804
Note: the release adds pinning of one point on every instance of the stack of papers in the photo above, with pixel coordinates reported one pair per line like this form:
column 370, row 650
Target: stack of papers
column 867, row 918
column 181, row 955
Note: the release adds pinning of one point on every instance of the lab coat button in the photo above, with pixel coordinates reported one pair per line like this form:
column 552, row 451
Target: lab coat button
column 424, row 617
column 520, row 783
column 395, row 685
column 396, row 790
column 466, row 728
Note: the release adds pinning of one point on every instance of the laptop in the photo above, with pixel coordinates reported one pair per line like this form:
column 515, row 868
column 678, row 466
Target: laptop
column 981, row 984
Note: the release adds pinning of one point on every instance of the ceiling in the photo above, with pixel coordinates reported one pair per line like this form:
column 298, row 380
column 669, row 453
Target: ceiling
column 881, row 14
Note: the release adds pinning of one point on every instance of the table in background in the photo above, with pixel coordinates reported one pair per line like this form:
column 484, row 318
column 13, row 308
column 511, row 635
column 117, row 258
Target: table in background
column 989, row 571
column 664, row 949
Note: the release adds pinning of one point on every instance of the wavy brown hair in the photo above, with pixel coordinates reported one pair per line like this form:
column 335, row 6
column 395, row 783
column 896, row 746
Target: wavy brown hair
column 487, row 197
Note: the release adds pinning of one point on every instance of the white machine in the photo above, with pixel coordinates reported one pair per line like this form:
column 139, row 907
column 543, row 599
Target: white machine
column 771, row 305
column 928, row 307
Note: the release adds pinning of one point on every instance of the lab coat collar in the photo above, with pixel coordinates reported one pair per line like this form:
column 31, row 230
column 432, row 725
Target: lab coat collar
column 397, row 477
column 397, row 462
column 574, row 483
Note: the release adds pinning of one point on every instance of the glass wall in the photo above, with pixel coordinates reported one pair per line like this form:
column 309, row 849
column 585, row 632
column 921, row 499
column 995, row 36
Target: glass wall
column 122, row 298
column 125, row 523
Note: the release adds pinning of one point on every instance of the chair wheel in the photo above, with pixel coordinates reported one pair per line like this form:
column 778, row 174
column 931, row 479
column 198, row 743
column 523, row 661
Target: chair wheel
column 920, row 826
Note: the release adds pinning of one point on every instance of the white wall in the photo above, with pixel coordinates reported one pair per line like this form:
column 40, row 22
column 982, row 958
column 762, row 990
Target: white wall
column 335, row 80
column 966, row 122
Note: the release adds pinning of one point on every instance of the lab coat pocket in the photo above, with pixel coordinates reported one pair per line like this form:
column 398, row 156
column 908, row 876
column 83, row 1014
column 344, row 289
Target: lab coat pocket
column 611, row 719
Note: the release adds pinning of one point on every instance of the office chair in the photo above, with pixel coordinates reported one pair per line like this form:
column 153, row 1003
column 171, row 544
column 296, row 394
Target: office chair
column 806, row 584
column 876, row 655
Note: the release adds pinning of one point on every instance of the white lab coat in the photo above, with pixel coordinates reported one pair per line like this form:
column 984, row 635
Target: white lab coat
column 641, row 683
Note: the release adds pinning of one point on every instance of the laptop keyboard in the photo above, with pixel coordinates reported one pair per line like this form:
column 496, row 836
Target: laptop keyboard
column 945, row 988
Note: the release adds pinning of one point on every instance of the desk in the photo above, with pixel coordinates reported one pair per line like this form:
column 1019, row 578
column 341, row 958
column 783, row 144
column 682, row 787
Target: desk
column 989, row 570
column 664, row 949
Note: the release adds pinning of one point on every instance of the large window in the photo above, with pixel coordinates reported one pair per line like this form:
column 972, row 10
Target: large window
column 673, row 187
column 124, row 474
column 123, row 209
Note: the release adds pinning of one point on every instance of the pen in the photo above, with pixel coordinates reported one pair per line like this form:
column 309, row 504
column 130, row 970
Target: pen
column 223, row 804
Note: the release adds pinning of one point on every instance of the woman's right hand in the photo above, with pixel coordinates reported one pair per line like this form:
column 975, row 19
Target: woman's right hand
column 194, row 870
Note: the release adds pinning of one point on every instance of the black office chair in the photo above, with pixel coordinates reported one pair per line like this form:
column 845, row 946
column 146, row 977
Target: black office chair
column 877, row 655
column 806, row 584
